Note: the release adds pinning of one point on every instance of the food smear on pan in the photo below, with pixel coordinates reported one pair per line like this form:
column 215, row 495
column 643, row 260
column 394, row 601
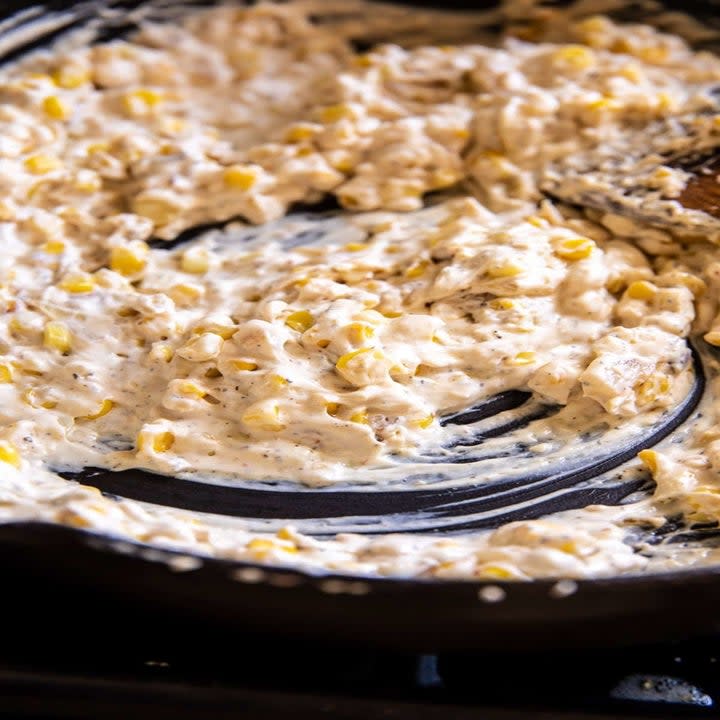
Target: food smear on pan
column 327, row 349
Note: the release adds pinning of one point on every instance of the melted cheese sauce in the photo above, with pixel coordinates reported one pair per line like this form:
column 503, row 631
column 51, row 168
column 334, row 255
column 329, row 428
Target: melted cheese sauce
column 320, row 350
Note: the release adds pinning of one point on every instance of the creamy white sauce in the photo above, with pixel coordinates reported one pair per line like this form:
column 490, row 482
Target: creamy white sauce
column 319, row 351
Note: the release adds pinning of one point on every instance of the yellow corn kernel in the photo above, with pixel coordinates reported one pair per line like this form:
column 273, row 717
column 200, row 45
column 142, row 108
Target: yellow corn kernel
column 444, row 178
column 502, row 304
column 363, row 60
column 641, row 290
column 503, row 271
column 157, row 209
column 649, row 458
column 575, row 248
column 195, row 261
column 105, row 407
column 278, row 381
column 129, row 259
column 335, row 113
column 594, row 24
column 56, row 336
column 262, row 546
column 54, row 247
column 527, row 357
column 191, row 389
column 162, row 352
column 240, row 177
column 55, row 108
column 577, row 57
column 141, row 102
column 652, row 388
column 417, row 270
column 632, row 73
column 494, row 571
column 322, row 343
column 301, row 321
column 360, row 332
column 6, row 374
column 97, row 147
column 185, row 294
column 163, row 441
column 42, row 164
column 171, row 125
column 536, row 221
column 425, row 422
column 712, row 337
column 78, row 283
column 9, row 453
column 244, row 365
column 299, row 132
column 70, row 78
column 265, row 418
column 360, row 416
column 654, row 55
column 355, row 247
column 605, row 103
column 343, row 360
column 31, row 397
column 332, row 408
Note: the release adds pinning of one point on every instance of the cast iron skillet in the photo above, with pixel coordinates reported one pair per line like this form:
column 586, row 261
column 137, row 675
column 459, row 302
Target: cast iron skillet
column 95, row 571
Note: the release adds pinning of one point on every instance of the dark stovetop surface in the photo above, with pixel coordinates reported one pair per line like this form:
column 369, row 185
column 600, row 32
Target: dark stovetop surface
column 106, row 668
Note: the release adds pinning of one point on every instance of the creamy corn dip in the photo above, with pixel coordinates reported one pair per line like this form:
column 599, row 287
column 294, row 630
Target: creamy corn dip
column 325, row 350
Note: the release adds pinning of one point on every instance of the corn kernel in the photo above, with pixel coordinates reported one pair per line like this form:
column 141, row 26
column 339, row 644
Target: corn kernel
column 574, row 248
column 158, row 209
column 56, row 336
column 97, row 147
column 240, row 177
column 191, row 389
column 105, row 407
column 417, row 270
column 42, row 164
column 649, row 459
column 129, row 259
column 264, row 417
column 654, row 55
column 9, row 453
column 55, row 108
column 360, row 332
column 78, row 283
column 577, row 57
column 278, row 381
column 536, row 221
column 332, row 408
column 425, row 422
column 262, row 546
column 54, row 247
column 494, row 571
column 301, row 321
column 343, row 360
column 162, row 352
column 335, row 113
column 186, row 294
column 244, row 365
column 6, row 374
column 504, row 270
column 298, row 133
column 502, row 304
column 355, row 247
column 195, row 261
column 712, row 338
column 527, row 357
column 605, row 103
column 163, row 441
column 141, row 102
column 360, row 416
column 641, row 290
column 70, row 78
column 322, row 343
